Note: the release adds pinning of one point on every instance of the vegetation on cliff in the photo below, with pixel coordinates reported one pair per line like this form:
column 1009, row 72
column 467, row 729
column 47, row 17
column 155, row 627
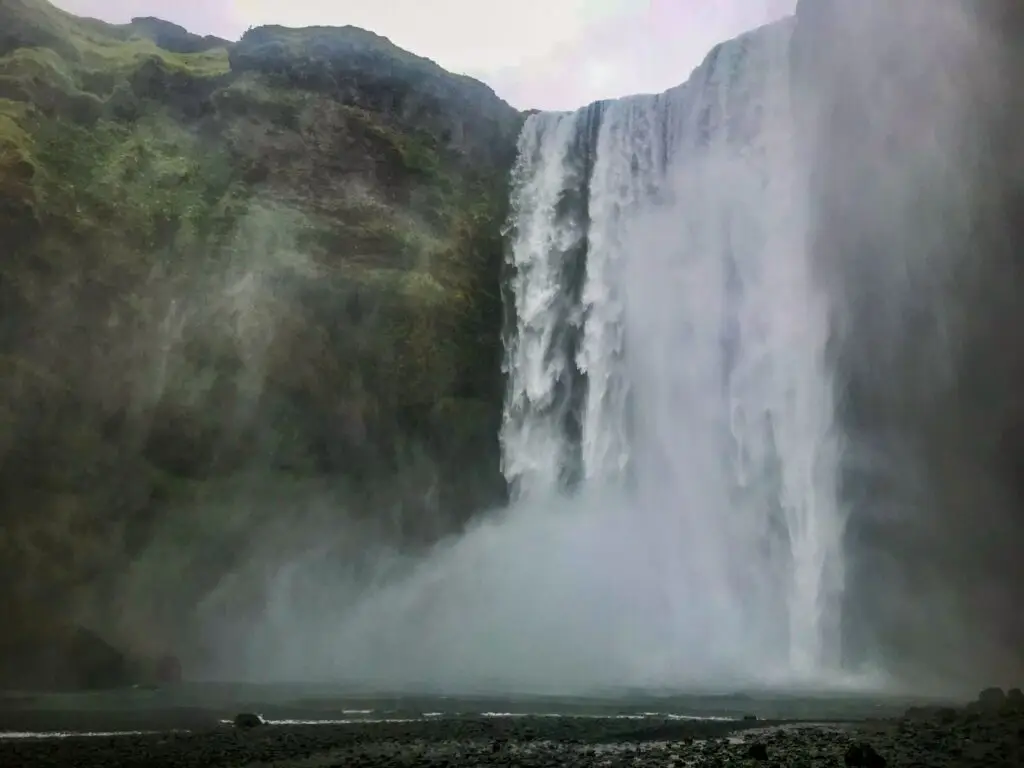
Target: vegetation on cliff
column 273, row 259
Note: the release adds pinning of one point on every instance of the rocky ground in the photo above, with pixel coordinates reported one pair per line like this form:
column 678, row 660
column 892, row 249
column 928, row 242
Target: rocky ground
column 988, row 734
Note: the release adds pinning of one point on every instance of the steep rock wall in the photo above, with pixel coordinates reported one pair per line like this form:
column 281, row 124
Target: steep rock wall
column 251, row 304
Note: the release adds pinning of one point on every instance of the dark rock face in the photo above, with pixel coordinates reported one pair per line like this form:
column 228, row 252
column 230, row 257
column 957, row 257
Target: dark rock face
column 60, row 656
column 913, row 117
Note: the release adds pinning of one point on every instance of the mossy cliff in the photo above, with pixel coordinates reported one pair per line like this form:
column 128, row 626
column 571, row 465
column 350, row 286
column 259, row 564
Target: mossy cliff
column 239, row 282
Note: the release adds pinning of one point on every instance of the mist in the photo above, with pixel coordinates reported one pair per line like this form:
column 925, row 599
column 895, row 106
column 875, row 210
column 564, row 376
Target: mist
column 912, row 123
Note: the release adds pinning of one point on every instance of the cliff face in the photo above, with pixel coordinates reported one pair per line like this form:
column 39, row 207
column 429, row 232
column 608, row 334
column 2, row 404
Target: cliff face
column 913, row 116
column 242, row 284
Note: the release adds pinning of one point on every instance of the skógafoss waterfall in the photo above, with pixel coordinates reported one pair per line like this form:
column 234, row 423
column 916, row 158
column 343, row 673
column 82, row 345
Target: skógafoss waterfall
column 669, row 347
column 668, row 427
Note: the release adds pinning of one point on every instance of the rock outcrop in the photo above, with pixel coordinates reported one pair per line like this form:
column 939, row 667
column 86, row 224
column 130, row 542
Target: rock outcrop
column 56, row 655
column 249, row 291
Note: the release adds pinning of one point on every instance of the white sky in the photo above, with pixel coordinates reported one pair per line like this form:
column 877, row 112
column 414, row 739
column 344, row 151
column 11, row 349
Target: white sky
column 545, row 54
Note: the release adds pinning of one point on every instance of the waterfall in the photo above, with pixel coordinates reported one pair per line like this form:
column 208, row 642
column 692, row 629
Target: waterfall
column 667, row 434
column 549, row 201
column 670, row 344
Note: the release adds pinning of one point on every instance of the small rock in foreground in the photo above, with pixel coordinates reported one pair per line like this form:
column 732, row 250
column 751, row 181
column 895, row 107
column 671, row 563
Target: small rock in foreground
column 863, row 755
column 991, row 699
column 248, row 720
column 758, row 751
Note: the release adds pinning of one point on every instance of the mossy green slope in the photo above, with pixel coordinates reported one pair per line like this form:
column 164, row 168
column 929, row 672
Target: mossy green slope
column 274, row 258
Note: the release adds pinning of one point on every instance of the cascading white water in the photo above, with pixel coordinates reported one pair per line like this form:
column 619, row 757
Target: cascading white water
column 668, row 426
column 539, row 360
column 703, row 350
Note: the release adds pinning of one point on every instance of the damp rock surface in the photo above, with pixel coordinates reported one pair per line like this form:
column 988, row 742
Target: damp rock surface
column 248, row 720
column 936, row 739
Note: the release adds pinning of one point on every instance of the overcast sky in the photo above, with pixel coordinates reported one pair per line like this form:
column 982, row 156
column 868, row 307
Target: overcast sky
column 545, row 54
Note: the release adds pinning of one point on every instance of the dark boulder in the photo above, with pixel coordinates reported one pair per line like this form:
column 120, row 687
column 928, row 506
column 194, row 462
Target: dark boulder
column 1014, row 700
column 991, row 699
column 863, row 755
column 248, row 720
column 91, row 662
column 758, row 751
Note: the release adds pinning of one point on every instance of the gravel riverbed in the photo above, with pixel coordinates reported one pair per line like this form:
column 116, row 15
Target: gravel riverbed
column 985, row 737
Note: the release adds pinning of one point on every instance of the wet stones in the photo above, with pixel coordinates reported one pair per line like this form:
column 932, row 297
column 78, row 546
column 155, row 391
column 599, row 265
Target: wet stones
column 863, row 755
column 758, row 751
column 994, row 701
column 985, row 742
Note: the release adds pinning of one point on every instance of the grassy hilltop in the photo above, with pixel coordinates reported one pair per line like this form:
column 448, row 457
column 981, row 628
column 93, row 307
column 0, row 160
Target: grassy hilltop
column 236, row 278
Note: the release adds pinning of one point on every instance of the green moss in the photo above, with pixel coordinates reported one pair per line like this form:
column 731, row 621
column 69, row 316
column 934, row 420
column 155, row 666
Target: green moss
column 261, row 269
column 39, row 64
column 18, row 167
column 254, row 89
column 89, row 44
column 15, row 141
column 89, row 173
column 150, row 181
column 421, row 289
column 417, row 150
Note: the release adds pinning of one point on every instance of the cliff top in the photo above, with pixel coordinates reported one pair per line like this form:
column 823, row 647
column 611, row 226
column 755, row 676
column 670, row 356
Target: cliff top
column 61, row 63
column 348, row 43
column 93, row 44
